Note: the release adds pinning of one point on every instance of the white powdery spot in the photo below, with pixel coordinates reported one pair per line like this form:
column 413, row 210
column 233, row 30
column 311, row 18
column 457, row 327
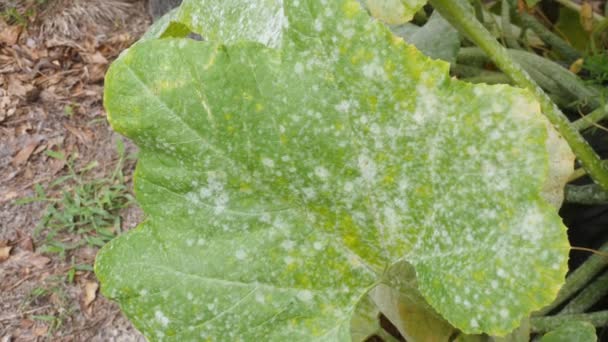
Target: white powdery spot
column 343, row 106
column 504, row 313
column 392, row 220
column 367, row 167
column 321, row 172
column 221, row 202
column 317, row 245
column 240, row 254
column 193, row 198
column 426, row 104
column 268, row 162
column 309, row 193
column 288, row 245
column 318, row 25
column 305, row 295
column 374, row 70
column 265, row 218
column 161, row 318
column 299, row 68
column 259, row 297
column 474, row 324
column 531, row 224
column 289, row 260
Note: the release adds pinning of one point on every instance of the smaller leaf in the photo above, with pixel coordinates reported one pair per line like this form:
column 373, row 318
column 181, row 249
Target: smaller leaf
column 401, row 302
column 572, row 331
column 436, row 39
column 167, row 26
column 569, row 25
column 365, row 322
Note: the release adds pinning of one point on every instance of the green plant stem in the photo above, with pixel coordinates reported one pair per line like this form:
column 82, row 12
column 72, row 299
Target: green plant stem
column 578, row 278
column 456, row 13
column 505, row 11
column 489, row 78
column 589, row 120
column 544, row 324
column 586, row 194
column 576, row 7
column 553, row 40
column 588, row 297
column 472, row 56
column 580, row 172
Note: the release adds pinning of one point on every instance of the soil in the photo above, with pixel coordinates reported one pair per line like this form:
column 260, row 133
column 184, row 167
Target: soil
column 51, row 89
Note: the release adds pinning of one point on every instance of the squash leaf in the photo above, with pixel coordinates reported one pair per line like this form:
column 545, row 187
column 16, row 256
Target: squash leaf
column 300, row 152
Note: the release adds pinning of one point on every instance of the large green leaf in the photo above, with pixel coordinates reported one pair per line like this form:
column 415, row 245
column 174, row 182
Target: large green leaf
column 282, row 176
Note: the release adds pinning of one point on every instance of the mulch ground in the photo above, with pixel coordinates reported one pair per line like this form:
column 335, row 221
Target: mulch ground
column 51, row 90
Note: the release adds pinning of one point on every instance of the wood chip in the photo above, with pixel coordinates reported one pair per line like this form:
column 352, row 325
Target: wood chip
column 5, row 253
column 90, row 292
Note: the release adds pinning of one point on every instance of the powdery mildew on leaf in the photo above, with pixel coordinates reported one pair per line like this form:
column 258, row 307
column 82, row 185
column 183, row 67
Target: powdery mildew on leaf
column 282, row 180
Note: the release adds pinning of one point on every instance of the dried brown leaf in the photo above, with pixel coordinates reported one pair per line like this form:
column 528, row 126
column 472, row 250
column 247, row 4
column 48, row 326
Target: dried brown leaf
column 22, row 156
column 10, row 34
column 41, row 330
column 586, row 16
column 26, row 243
column 9, row 196
column 95, row 58
column 84, row 135
column 38, row 261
